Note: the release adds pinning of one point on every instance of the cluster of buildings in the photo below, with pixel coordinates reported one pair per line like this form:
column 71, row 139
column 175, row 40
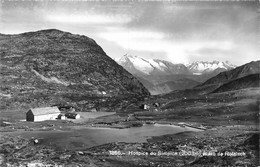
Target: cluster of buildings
column 53, row 113
column 147, row 107
column 48, row 113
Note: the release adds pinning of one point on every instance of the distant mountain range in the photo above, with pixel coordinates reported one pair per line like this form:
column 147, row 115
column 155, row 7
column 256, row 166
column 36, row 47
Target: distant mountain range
column 160, row 76
column 141, row 66
column 202, row 67
column 52, row 67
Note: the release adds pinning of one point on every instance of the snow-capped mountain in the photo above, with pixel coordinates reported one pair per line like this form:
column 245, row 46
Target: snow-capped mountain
column 160, row 76
column 135, row 65
column 202, row 67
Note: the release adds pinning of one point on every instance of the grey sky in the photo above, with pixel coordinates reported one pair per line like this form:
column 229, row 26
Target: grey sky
column 174, row 31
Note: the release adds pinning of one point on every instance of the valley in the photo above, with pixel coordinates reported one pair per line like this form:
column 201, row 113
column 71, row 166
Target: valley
column 222, row 122
column 213, row 122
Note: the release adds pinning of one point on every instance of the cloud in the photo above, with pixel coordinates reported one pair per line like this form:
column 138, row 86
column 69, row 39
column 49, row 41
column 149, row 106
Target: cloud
column 199, row 20
column 87, row 18
column 127, row 34
column 152, row 41
column 179, row 32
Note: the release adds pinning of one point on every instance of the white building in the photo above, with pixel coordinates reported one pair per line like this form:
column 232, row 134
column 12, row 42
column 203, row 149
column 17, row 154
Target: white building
column 42, row 114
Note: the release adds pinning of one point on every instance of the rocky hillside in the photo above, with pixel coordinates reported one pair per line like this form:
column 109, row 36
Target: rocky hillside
column 241, row 71
column 51, row 67
column 248, row 81
column 242, row 77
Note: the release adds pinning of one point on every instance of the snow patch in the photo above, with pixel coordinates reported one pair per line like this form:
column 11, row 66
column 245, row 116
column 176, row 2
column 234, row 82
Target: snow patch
column 141, row 64
column 162, row 65
column 86, row 83
column 197, row 73
column 6, row 95
column 156, row 65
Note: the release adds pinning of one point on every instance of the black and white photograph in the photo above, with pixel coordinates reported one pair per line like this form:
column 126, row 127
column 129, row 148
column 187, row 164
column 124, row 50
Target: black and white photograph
column 129, row 83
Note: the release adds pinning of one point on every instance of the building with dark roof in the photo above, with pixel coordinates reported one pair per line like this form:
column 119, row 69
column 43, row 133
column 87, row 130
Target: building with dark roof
column 72, row 115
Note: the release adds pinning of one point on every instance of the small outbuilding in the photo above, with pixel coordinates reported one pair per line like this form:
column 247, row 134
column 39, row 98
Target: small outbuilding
column 156, row 104
column 42, row 114
column 66, row 108
column 72, row 115
column 61, row 116
column 145, row 106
